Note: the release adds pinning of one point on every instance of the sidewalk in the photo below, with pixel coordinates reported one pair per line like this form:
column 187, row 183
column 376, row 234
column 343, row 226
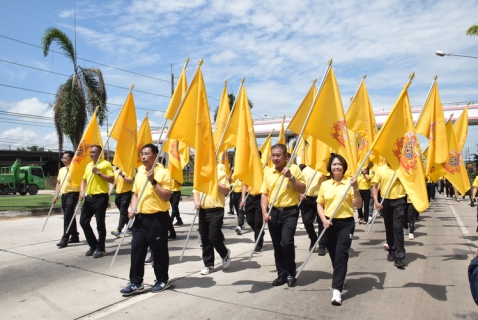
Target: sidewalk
column 41, row 281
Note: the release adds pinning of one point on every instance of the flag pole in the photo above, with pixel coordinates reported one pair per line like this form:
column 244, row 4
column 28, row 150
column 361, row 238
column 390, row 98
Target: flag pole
column 172, row 123
column 56, row 195
column 294, row 152
column 196, row 211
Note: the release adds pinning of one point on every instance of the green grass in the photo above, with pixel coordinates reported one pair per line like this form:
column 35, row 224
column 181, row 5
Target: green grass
column 186, row 191
column 18, row 203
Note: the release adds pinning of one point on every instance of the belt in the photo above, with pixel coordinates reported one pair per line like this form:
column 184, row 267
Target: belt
column 212, row 209
column 73, row 192
column 310, row 197
column 99, row 195
column 285, row 208
column 178, row 191
column 256, row 196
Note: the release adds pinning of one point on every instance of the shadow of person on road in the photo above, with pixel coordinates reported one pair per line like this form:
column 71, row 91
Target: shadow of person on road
column 367, row 282
column 437, row 292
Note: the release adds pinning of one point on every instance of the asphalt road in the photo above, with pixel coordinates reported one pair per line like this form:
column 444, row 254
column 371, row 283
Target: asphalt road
column 40, row 281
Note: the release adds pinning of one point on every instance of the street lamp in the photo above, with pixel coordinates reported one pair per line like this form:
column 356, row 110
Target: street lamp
column 442, row 54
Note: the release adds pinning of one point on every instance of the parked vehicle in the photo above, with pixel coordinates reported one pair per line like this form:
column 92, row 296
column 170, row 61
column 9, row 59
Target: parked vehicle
column 26, row 179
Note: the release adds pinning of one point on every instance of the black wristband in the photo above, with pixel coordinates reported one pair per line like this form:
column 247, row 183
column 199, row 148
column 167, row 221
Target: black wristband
column 154, row 182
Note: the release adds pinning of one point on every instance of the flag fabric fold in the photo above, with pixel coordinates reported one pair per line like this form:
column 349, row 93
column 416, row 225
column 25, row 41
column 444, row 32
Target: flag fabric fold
column 317, row 155
column 223, row 112
column 431, row 124
column 177, row 97
column 398, row 144
column 172, row 147
column 247, row 166
column 90, row 137
column 124, row 132
column 193, row 127
column 460, row 129
column 266, row 151
column 143, row 137
column 281, row 138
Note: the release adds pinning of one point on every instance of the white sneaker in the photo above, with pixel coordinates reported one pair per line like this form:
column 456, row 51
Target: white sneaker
column 386, row 247
column 336, row 297
column 238, row 230
column 227, row 260
column 411, row 236
column 207, row 270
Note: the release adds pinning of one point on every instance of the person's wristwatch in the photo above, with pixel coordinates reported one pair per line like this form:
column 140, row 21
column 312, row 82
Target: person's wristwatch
column 292, row 178
column 154, row 182
column 99, row 174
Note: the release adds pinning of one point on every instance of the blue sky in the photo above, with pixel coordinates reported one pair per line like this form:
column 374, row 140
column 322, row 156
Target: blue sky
column 278, row 46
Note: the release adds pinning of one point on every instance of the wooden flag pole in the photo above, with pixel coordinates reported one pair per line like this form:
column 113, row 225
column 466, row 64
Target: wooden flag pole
column 56, row 195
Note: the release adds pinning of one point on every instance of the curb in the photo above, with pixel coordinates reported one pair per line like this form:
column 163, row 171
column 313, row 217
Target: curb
column 30, row 213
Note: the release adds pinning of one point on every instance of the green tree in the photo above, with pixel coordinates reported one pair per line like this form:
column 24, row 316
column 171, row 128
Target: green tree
column 78, row 97
column 472, row 31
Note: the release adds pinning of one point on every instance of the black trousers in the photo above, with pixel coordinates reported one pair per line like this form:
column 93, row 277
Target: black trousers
column 308, row 210
column 95, row 206
column 174, row 201
column 236, row 200
column 364, row 214
column 393, row 217
column 210, row 224
column 254, row 217
column 150, row 230
column 411, row 214
column 68, row 204
column 338, row 239
column 282, row 230
column 122, row 201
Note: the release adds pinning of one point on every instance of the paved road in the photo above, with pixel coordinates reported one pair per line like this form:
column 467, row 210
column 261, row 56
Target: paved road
column 38, row 280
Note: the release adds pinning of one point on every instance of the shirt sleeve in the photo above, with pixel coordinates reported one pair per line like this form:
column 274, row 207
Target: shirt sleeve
column 264, row 188
column 163, row 178
column 320, row 198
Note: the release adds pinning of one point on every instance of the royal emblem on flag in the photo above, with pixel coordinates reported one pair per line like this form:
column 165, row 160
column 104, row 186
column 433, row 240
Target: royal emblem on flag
column 340, row 132
column 453, row 164
column 81, row 152
column 406, row 152
column 363, row 144
column 174, row 149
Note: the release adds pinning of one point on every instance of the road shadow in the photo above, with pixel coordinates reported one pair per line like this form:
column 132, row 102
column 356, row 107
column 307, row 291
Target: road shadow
column 412, row 256
column 370, row 242
column 194, row 282
column 437, row 292
column 308, row 277
column 256, row 286
column 175, row 260
column 367, row 282
column 241, row 264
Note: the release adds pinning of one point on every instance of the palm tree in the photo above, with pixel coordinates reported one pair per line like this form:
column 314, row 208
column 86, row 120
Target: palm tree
column 78, row 96
column 472, row 31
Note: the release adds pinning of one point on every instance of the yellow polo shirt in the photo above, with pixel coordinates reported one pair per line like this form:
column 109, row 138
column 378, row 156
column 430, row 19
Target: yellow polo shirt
column 67, row 187
column 363, row 184
column 383, row 176
column 331, row 193
column 175, row 186
column 287, row 196
column 150, row 202
column 98, row 185
column 237, row 184
column 207, row 201
column 312, row 185
column 121, row 185
column 475, row 183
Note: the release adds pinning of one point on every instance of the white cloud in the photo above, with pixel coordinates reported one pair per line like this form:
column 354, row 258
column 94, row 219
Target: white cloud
column 32, row 106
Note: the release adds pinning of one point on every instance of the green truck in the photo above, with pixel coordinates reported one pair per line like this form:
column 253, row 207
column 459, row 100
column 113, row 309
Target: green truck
column 26, row 179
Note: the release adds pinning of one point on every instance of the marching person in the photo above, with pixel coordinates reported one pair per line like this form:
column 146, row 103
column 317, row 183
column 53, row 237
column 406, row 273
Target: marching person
column 175, row 198
column 253, row 213
column 340, row 230
column 308, row 205
column 364, row 183
column 123, row 184
column 394, row 206
column 150, row 226
column 96, row 201
column 282, row 221
column 474, row 188
column 69, row 198
column 211, row 218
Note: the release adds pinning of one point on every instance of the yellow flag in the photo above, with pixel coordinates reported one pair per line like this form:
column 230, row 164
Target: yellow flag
column 178, row 94
column 91, row 137
column 454, row 169
column 281, row 138
column 124, row 131
column 327, row 120
column 247, row 166
column 223, row 112
column 171, row 146
column 266, row 151
column 317, row 155
column 184, row 153
column 398, row 144
column 360, row 119
column 461, row 129
column 143, row 138
column 224, row 159
column 301, row 150
column 193, row 127
column 431, row 124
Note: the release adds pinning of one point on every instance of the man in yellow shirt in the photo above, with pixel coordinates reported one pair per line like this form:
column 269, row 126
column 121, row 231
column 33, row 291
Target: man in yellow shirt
column 211, row 218
column 282, row 221
column 308, row 205
column 69, row 198
column 394, row 205
column 96, row 201
column 124, row 184
column 151, row 219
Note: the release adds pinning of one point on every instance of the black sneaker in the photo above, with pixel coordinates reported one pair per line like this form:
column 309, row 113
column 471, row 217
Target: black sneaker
column 179, row 223
column 131, row 289
column 171, row 237
column 74, row 240
column 99, row 253
column 399, row 263
column 160, row 286
column 90, row 252
column 390, row 257
column 321, row 251
column 63, row 243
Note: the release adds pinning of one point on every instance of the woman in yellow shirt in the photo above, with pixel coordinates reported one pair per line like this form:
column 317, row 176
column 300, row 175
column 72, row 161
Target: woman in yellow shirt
column 339, row 232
